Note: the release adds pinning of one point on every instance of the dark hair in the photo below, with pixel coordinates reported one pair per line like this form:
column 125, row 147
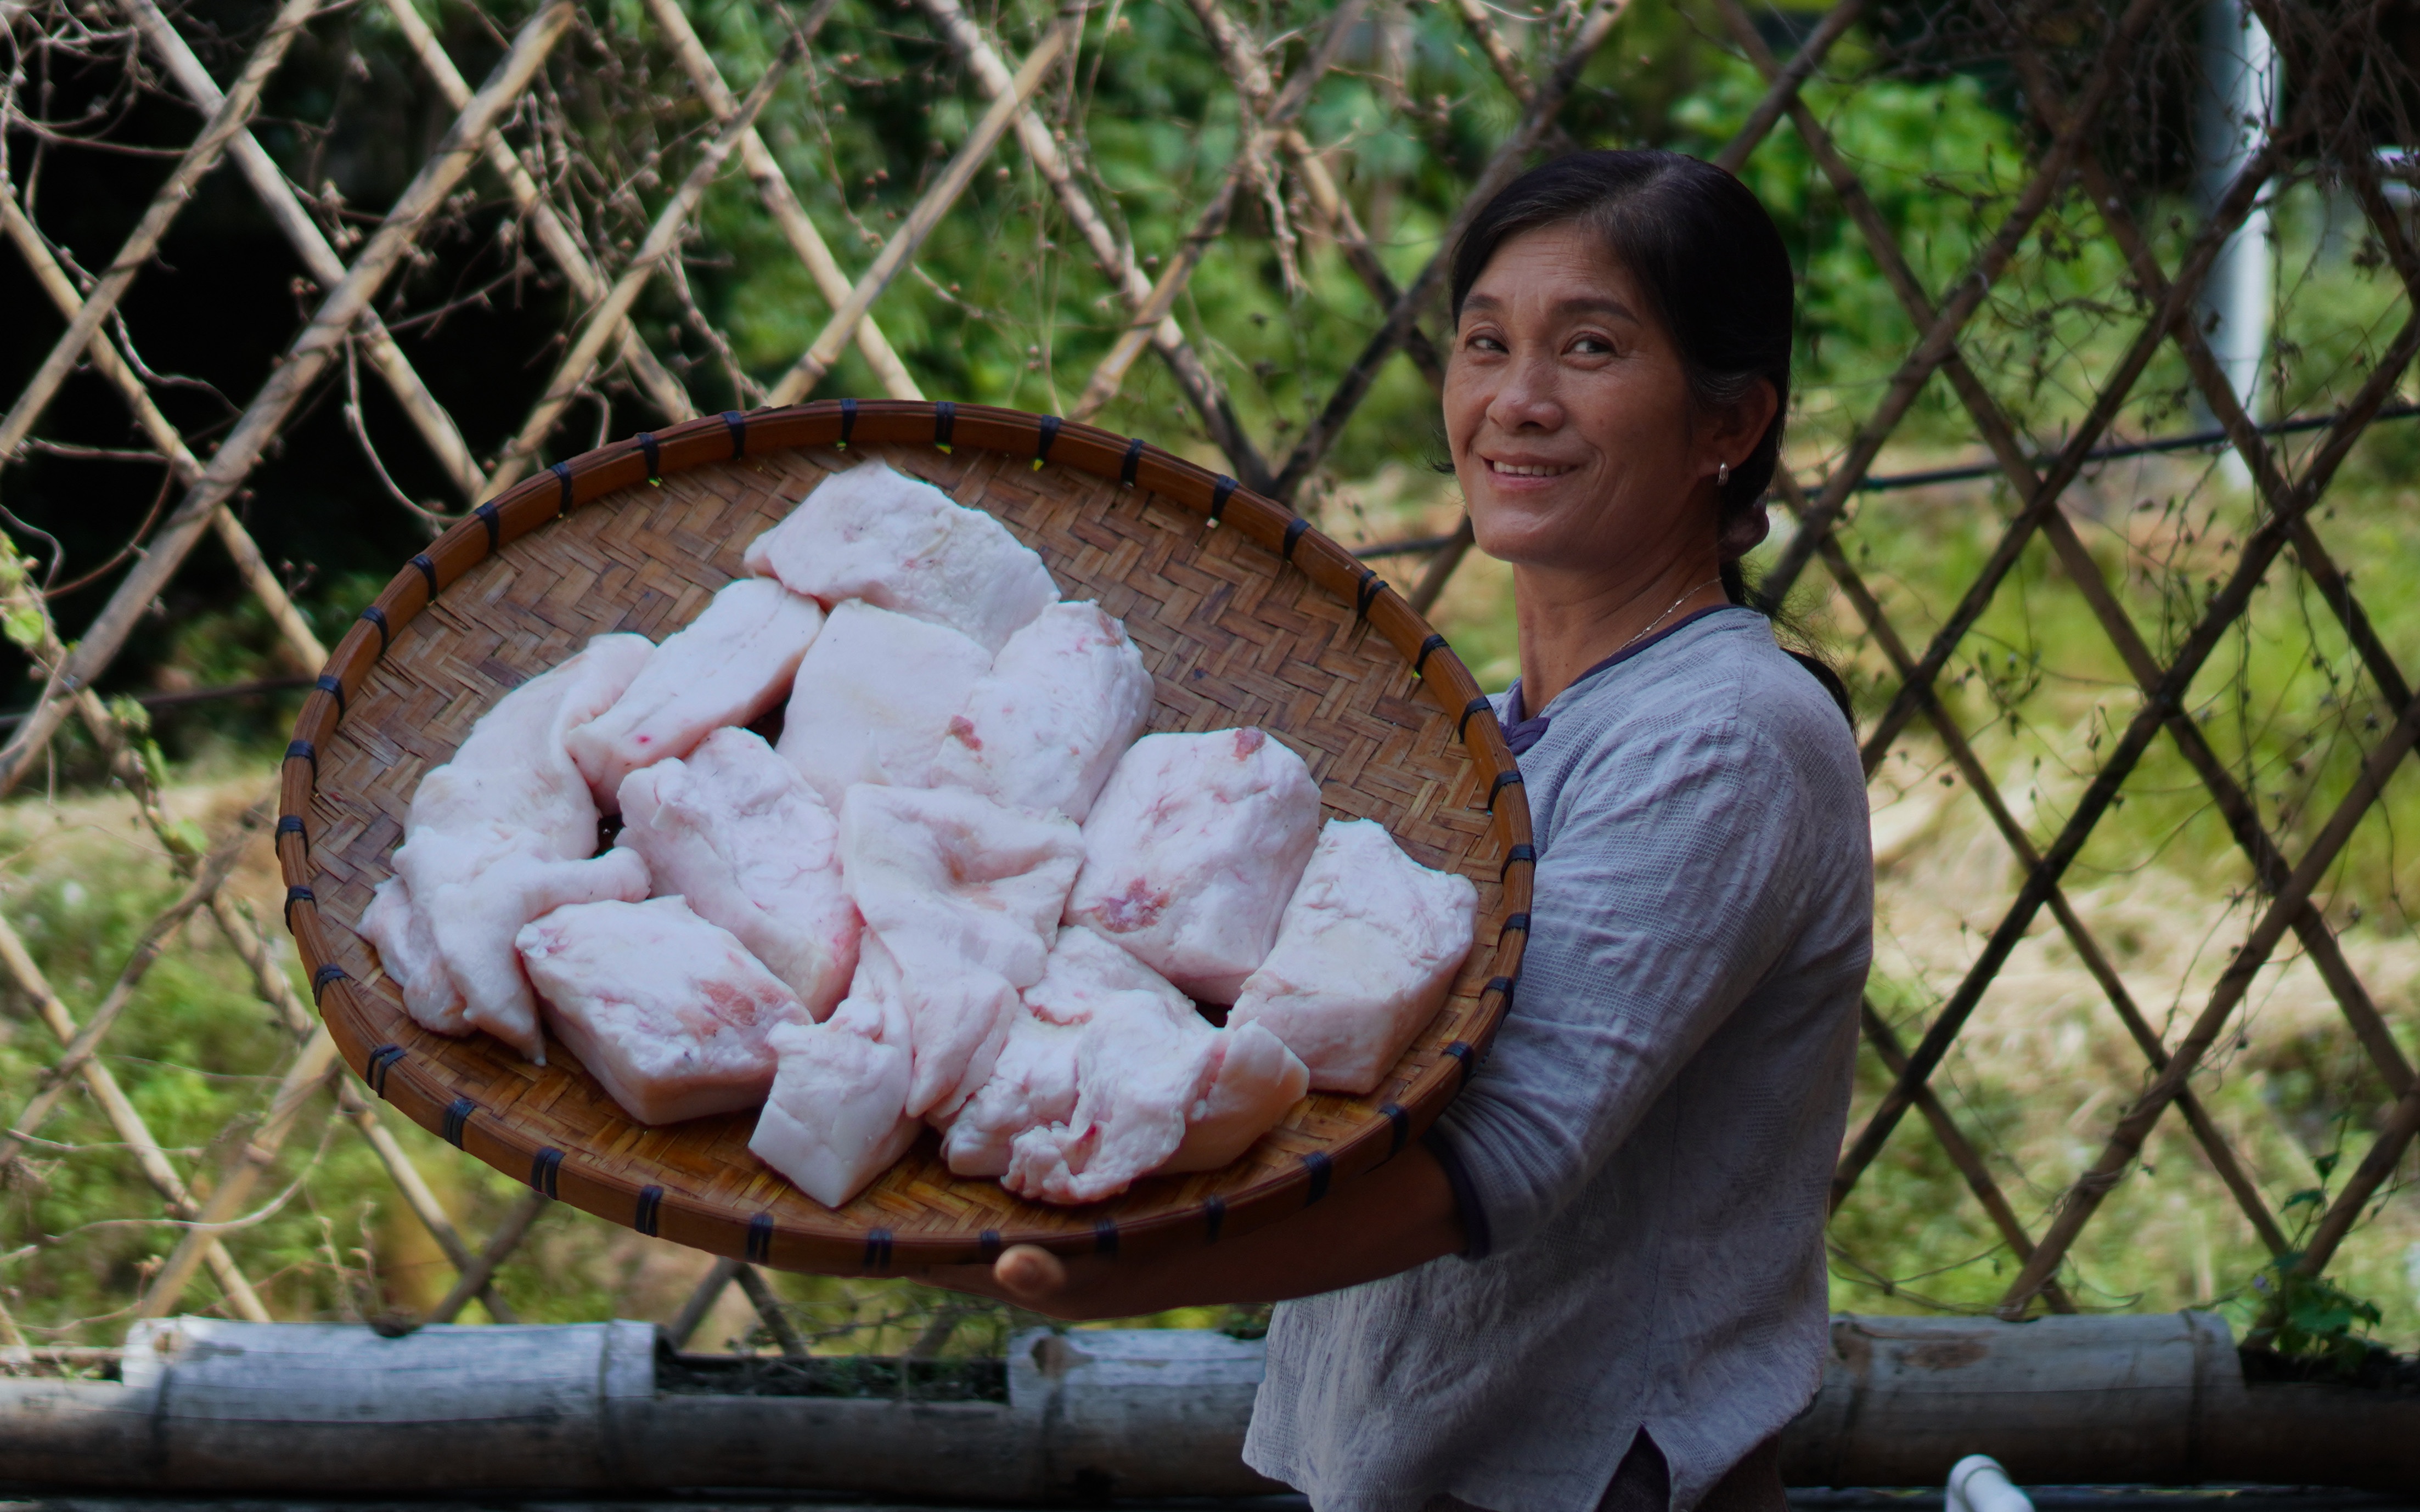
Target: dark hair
column 1710, row 260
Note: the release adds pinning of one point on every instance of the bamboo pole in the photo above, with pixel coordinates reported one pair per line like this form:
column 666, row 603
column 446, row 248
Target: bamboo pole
column 901, row 249
column 229, row 117
column 80, row 1048
column 774, row 192
column 1211, row 220
column 501, row 1244
column 268, row 185
column 587, row 285
column 306, row 359
column 2126, row 1141
column 298, row 646
column 312, row 1069
column 611, row 318
column 1115, row 258
column 1502, row 166
column 123, row 1118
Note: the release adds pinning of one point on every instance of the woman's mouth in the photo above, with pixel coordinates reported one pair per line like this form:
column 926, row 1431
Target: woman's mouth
column 1530, row 469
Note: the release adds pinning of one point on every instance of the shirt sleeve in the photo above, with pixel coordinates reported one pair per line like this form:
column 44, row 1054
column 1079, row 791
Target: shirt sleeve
column 1663, row 899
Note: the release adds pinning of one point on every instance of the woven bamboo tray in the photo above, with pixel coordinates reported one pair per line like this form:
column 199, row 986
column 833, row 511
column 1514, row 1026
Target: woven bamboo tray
column 1245, row 616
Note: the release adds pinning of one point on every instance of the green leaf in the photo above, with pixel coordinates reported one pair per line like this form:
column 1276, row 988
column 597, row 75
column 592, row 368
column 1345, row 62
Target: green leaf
column 22, row 625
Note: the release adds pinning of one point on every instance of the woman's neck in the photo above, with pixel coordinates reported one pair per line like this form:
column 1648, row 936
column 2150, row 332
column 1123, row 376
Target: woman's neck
column 1571, row 621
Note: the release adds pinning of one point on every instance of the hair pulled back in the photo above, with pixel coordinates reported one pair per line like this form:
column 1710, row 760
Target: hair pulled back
column 1707, row 257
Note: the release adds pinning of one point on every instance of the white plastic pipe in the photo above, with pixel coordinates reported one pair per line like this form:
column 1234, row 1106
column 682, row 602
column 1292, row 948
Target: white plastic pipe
column 1977, row 1484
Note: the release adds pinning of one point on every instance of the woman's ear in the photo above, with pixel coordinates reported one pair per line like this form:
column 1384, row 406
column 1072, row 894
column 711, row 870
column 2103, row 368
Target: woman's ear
column 1737, row 427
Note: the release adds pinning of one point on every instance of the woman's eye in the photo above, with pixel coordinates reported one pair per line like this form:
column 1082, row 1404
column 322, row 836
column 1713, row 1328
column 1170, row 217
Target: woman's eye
column 1592, row 345
column 1484, row 342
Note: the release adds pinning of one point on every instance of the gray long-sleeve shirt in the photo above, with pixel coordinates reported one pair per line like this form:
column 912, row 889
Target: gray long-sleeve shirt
column 1643, row 1159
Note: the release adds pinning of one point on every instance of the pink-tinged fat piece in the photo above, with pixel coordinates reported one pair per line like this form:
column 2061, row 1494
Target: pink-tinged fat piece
column 962, row 896
column 407, row 949
column 872, row 699
column 1045, row 727
column 1032, row 1083
column 904, row 545
column 732, row 663
column 666, row 1011
column 1368, row 950
column 1192, row 850
column 477, row 890
column 738, row 833
column 837, row 1118
column 1109, row 1075
column 1256, row 1081
column 510, row 797
column 513, row 770
column 1035, row 1081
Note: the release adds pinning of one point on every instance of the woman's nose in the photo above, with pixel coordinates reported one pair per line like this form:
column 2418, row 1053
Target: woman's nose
column 1526, row 400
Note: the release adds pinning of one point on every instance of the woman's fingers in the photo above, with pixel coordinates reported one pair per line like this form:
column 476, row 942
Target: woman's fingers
column 1030, row 1272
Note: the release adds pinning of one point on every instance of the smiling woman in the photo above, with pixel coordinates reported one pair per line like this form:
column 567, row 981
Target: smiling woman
column 1599, row 1281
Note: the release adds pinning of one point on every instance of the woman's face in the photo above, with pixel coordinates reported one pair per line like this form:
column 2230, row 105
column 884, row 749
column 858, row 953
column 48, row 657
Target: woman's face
column 1570, row 419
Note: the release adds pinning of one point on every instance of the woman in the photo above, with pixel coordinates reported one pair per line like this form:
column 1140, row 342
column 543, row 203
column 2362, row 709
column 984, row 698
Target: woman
column 1599, row 1281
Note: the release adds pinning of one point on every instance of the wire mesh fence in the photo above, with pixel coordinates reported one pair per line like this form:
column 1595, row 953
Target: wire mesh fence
column 2142, row 1025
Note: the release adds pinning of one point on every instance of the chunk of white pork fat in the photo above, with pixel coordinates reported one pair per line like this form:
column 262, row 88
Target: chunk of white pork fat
column 1111, row 1074
column 1367, row 951
column 513, row 769
column 407, row 949
column 737, row 832
column 729, row 665
column 901, row 544
column 1045, row 726
column 503, row 832
column 964, row 894
column 670, row 1013
column 1191, row 852
column 838, row 1115
column 477, row 890
column 873, row 698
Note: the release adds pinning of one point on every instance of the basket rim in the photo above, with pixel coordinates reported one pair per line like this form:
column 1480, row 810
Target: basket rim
column 834, row 1243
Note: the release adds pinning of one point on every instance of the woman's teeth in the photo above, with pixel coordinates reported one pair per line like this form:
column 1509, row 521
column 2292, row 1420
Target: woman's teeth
column 1509, row 471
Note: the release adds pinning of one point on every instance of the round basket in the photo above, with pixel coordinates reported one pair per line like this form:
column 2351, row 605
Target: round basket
column 1243, row 612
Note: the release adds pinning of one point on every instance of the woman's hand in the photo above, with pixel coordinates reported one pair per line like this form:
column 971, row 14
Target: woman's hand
column 1396, row 1217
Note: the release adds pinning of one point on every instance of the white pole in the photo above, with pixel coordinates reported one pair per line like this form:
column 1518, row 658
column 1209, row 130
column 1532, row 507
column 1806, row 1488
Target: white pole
column 1977, row 1484
column 2239, row 92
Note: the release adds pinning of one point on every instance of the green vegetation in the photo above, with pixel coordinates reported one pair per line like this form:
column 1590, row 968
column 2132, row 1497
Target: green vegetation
column 1004, row 307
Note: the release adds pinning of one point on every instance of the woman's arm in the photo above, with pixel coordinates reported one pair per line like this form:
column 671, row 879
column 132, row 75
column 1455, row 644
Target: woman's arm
column 1393, row 1218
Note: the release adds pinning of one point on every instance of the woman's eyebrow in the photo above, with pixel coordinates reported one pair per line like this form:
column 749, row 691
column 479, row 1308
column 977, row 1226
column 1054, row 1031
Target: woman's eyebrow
column 1576, row 305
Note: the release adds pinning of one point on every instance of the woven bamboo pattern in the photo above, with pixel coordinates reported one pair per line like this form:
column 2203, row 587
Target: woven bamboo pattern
column 1236, row 630
column 1244, row 617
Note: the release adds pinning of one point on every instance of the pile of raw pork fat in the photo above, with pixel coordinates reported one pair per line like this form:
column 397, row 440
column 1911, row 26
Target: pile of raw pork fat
column 964, row 890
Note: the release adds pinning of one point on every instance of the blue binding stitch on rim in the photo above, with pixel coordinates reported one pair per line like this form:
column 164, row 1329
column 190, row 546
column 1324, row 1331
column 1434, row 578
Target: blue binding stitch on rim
column 1322, row 1170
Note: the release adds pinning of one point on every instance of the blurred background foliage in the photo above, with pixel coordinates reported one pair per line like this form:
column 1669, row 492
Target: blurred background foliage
column 1005, row 306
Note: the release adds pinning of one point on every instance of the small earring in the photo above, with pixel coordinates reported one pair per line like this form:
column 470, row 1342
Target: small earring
column 1722, row 473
